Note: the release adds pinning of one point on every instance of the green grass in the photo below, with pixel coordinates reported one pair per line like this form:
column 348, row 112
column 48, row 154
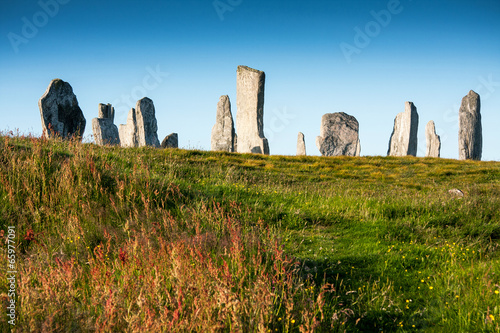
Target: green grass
column 112, row 239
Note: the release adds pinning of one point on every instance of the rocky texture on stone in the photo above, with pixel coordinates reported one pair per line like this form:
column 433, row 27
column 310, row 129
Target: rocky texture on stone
column 60, row 113
column 301, row 145
column 339, row 135
column 170, row 141
column 141, row 128
column 403, row 139
column 250, row 111
column 470, row 136
column 223, row 133
column 433, row 140
column 105, row 132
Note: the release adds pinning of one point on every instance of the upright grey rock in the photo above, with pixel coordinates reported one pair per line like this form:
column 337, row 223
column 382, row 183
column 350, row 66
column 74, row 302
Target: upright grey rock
column 470, row 136
column 170, row 141
column 105, row 132
column 433, row 140
column 60, row 112
column 250, row 114
column 403, row 139
column 223, row 133
column 301, row 145
column 128, row 132
column 141, row 128
column 339, row 135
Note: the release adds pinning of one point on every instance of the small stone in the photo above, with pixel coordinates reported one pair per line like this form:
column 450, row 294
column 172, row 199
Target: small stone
column 223, row 133
column 404, row 139
column 339, row 135
column 250, row 111
column 301, row 145
column 456, row 192
column 470, row 136
column 170, row 141
column 60, row 113
column 433, row 140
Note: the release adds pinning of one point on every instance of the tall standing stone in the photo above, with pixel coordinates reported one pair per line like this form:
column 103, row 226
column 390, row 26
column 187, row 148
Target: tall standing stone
column 223, row 133
column 250, row 114
column 470, row 136
column 339, row 135
column 404, row 139
column 60, row 112
column 301, row 145
column 171, row 141
column 105, row 132
column 433, row 140
column 141, row 128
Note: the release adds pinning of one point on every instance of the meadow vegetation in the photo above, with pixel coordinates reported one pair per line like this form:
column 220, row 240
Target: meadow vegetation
column 142, row 239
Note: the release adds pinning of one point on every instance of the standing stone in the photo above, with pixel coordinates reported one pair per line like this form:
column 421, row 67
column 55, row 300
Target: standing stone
column 105, row 132
column 433, row 140
column 470, row 136
column 301, row 145
column 250, row 115
column 223, row 133
column 141, row 128
column 128, row 132
column 60, row 113
column 339, row 135
column 403, row 139
column 170, row 141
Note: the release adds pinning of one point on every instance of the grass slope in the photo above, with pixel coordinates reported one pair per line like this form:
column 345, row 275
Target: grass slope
column 111, row 239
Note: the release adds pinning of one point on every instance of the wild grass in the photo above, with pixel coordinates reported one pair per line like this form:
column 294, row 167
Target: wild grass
column 112, row 239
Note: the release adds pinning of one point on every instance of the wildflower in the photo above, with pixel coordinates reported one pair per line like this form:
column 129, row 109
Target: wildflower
column 492, row 317
column 497, row 292
column 279, row 319
column 431, row 287
column 422, row 281
column 293, row 321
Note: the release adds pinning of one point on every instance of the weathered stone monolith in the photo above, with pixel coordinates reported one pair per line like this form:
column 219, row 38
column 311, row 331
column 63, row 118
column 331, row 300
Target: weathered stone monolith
column 170, row 141
column 250, row 111
column 470, row 136
column 433, row 140
column 403, row 139
column 141, row 128
column 339, row 135
column 60, row 113
column 105, row 132
column 301, row 145
column 223, row 133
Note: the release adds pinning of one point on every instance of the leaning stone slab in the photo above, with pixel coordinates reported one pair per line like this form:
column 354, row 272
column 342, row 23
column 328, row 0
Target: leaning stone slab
column 60, row 113
column 128, row 132
column 339, row 135
column 404, row 139
column 433, row 140
column 470, row 135
column 170, row 141
column 301, row 145
column 223, row 133
column 105, row 132
column 250, row 114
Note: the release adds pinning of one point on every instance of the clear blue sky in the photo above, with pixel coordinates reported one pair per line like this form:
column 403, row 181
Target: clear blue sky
column 428, row 52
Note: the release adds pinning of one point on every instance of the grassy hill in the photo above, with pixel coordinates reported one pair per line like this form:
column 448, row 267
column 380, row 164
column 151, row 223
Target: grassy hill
column 111, row 239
